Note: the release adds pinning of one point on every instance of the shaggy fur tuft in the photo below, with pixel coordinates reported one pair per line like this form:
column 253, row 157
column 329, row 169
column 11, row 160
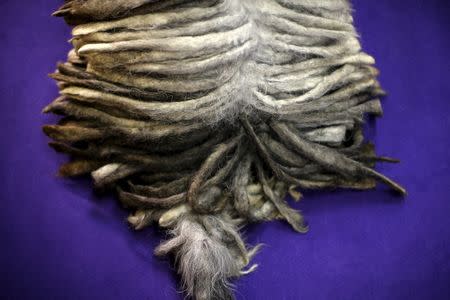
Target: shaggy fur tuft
column 208, row 251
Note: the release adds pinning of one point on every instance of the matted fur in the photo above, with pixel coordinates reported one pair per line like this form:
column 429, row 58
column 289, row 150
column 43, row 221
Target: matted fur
column 204, row 114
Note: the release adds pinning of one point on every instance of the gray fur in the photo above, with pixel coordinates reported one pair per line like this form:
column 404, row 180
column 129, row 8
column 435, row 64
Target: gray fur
column 209, row 252
column 202, row 115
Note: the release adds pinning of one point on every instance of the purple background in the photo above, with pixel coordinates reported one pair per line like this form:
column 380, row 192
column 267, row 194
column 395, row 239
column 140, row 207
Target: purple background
column 59, row 241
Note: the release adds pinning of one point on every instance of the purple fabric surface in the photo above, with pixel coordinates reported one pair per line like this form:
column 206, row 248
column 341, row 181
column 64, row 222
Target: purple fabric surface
column 59, row 241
